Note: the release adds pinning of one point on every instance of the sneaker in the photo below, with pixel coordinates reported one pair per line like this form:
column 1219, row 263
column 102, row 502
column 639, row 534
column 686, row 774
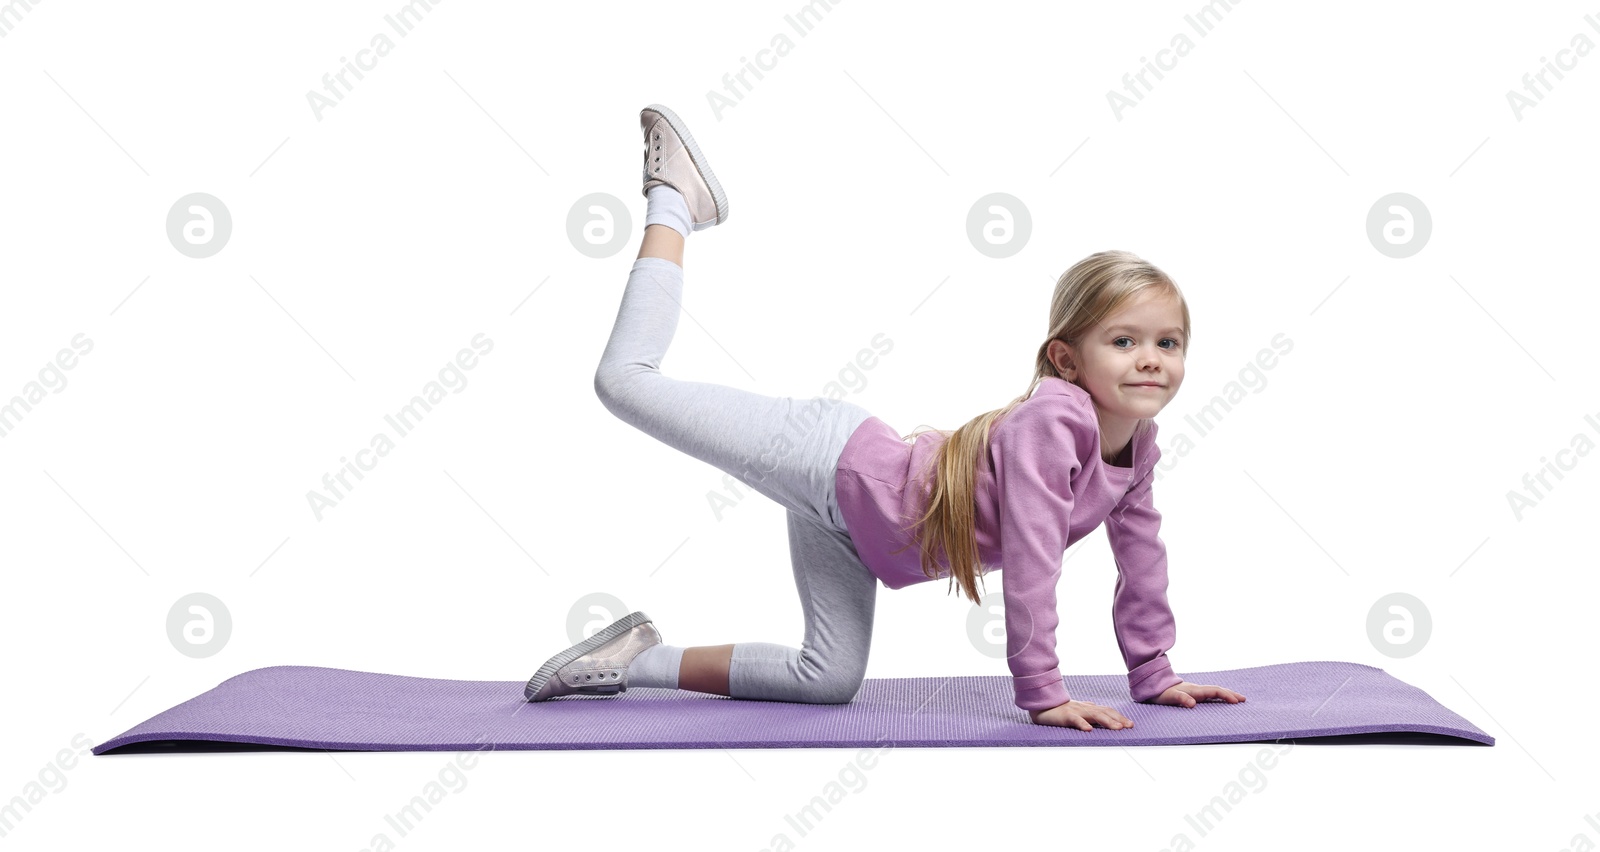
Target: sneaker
column 671, row 157
column 597, row 665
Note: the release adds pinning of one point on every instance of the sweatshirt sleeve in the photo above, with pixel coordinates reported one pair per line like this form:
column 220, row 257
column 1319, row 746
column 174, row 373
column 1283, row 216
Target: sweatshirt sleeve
column 1035, row 459
column 1143, row 621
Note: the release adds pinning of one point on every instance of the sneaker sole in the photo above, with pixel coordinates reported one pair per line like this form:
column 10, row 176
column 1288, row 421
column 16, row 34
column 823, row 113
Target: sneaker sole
column 699, row 160
column 601, row 637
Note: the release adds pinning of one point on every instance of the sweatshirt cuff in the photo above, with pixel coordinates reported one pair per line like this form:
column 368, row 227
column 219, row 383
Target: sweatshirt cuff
column 1041, row 691
column 1148, row 681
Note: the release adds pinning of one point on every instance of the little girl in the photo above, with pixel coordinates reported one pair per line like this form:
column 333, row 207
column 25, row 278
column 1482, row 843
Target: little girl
column 1011, row 489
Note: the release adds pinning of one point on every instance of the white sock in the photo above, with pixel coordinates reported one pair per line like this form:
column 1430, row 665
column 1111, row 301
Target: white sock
column 665, row 206
column 656, row 665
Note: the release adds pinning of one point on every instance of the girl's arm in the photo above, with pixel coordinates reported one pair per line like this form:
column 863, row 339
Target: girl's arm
column 1035, row 458
column 1140, row 614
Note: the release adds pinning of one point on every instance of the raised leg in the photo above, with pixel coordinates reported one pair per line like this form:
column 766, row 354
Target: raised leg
column 785, row 448
column 663, row 242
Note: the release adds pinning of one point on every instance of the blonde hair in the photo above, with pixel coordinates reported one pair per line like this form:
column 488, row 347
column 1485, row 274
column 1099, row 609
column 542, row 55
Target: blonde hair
column 1094, row 288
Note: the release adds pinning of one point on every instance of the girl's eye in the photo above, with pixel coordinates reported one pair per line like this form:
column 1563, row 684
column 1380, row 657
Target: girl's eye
column 1118, row 342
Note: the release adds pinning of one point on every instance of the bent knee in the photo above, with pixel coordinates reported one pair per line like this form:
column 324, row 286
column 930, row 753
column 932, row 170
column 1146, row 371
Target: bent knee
column 603, row 381
column 613, row 384
column 838, row 687
column 841, row 693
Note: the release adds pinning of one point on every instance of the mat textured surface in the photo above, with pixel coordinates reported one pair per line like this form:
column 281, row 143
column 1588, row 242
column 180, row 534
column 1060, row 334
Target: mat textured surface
column 324, row 708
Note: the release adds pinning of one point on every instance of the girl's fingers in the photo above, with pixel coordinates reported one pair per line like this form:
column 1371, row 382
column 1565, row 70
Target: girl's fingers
column 1219, row 692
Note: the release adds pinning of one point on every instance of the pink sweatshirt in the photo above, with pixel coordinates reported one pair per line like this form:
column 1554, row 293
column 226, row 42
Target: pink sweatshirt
column 1043, row 486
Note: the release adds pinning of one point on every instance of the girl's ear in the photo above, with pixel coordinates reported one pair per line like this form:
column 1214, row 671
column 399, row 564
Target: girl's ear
column 1061, row 356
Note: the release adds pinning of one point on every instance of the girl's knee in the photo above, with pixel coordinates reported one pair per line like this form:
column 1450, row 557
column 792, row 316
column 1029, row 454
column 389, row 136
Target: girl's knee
column 603, row 384
column 838, row 684
column 839, row 692
column 613, row 384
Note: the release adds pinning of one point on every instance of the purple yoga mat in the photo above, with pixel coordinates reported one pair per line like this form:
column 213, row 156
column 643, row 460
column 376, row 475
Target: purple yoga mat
column 325, row 708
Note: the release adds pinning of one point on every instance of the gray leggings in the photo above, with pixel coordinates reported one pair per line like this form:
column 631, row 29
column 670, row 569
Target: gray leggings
column 734, row 430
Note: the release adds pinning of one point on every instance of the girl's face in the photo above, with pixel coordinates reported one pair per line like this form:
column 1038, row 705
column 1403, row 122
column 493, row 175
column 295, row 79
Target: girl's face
column 1132, row 363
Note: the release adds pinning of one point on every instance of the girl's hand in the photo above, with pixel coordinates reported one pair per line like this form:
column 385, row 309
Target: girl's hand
column 1081, row 715
column 1188, row 694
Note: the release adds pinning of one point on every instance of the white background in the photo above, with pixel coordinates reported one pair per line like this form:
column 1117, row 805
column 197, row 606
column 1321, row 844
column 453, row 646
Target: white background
column 372, row 244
